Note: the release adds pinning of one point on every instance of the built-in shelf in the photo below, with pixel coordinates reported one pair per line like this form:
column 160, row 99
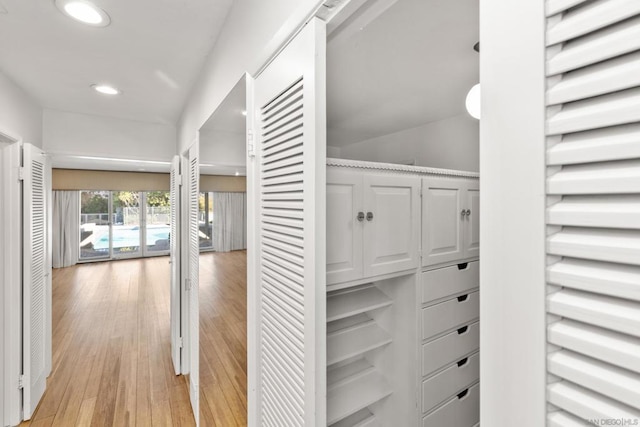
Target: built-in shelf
column 350, row 389
column 356, row 340
column 362, row 418
column 356, row 301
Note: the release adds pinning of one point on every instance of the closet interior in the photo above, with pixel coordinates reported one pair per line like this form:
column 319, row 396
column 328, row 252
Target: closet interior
column 402, row 216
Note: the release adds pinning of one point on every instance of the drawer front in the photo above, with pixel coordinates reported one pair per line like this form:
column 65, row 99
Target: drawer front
column 450, row 314
column 443, row 282
column 457, row 412
column 449, row 382
column 450, row 348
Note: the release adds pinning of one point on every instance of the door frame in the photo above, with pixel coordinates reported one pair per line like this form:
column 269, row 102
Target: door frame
column 12, row 282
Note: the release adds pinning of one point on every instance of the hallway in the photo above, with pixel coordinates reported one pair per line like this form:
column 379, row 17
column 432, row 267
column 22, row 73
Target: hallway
column 111, row 349
column 111, row 346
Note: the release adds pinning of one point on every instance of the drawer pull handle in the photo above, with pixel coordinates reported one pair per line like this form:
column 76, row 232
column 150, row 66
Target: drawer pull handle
column 462, row 330
column 463, row 393
column 463, row 266
column 463, row 362
column 463, row 298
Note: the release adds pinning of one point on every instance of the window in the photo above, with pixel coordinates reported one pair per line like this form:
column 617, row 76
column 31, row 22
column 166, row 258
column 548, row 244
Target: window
column 123, row 224
column 205, row 219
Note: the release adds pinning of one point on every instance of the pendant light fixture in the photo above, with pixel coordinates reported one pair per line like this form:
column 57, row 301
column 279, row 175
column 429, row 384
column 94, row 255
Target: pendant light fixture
column 472, row 102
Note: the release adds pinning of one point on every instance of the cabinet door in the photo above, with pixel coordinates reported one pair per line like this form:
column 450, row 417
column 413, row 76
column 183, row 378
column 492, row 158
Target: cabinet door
column 442, row 220
column 392, row 223
column 472, row 221
column 344, row 230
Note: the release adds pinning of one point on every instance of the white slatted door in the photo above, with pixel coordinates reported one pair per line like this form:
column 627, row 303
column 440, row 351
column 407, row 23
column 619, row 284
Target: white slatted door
column 34, row 281
column 593, row 215
column 174, row 239
column 193, row 283
column 289, row 99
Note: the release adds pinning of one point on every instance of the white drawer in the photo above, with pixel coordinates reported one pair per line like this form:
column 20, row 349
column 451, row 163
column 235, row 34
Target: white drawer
column 449, row 348
column 463, row 411
column 450, row 382
column 450, row 314
column 443, row 282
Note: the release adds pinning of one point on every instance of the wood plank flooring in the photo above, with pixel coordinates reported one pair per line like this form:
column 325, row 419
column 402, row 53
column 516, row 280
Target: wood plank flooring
column 111, row 346
column 223, row 339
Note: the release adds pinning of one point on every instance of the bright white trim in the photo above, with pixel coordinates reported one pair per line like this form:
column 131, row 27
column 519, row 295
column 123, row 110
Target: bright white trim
column 512, row 214
column 253, row 348
column 12, row 277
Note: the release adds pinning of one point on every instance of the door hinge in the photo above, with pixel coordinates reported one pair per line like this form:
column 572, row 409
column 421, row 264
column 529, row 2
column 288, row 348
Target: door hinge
column 179, row 179
column 187, row 284
column 180, row 342
column 20, row 382
column 21, row 173
column 420, row 191
column 251, row 152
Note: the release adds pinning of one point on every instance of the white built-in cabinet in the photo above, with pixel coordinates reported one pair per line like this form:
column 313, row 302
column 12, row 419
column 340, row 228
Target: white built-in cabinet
column 402, row 332
column 450, row 206
column 373, row 220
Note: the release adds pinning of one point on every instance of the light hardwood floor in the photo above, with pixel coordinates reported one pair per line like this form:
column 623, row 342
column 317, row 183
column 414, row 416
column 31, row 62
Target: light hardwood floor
column 223, row 339
column 111, row 346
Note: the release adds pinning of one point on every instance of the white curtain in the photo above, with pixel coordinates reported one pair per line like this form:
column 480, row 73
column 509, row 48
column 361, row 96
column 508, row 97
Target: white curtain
column 229, row 221
column 66, row 226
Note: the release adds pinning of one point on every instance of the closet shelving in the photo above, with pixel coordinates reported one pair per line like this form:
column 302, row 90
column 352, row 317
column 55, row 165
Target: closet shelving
column 353, row 382
column 402, row 347
column 355, row 301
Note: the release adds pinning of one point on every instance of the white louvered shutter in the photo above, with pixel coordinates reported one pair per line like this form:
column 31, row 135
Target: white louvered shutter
column 289, row 99
column 34, row 358
column 593, row 212
column 174, row 243
column 193, row 283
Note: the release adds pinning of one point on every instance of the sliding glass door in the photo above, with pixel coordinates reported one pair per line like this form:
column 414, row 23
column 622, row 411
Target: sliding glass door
column 125, row 228
column 95, row 220
column 205, row 221
column 157, row 222
column 123, row 224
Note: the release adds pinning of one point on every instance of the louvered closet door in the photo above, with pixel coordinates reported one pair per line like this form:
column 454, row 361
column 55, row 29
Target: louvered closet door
column 174, row 240
column 193, row 280
column 593, row 214
column 34, row 281
column 290, row 119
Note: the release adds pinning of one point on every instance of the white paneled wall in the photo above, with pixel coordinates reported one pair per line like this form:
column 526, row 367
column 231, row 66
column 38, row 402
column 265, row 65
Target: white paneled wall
column 593, row 211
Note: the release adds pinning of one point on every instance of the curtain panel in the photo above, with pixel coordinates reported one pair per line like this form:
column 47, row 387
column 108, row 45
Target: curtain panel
column 229, row 221
column 66, row 226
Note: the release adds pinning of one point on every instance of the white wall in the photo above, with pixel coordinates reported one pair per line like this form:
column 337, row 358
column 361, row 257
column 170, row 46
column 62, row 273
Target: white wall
column 220, row 147
column 20, row 116
column 88, row 135
column 451, row 143
column 253, row 29
column 512, row 209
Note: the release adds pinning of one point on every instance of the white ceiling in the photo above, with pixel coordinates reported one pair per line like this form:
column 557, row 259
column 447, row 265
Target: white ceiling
column 153, row 51
column 410, row 65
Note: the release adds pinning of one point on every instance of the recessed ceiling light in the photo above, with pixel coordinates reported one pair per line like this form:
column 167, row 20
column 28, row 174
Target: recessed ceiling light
column 237, row 173
column 84, row 11
column 244, row 112
column 106, row 89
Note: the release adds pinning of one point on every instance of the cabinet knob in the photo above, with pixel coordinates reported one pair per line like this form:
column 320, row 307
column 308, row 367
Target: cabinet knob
column 369, row 216
column 468, row 212
column 463, row 213
column 360, row 216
